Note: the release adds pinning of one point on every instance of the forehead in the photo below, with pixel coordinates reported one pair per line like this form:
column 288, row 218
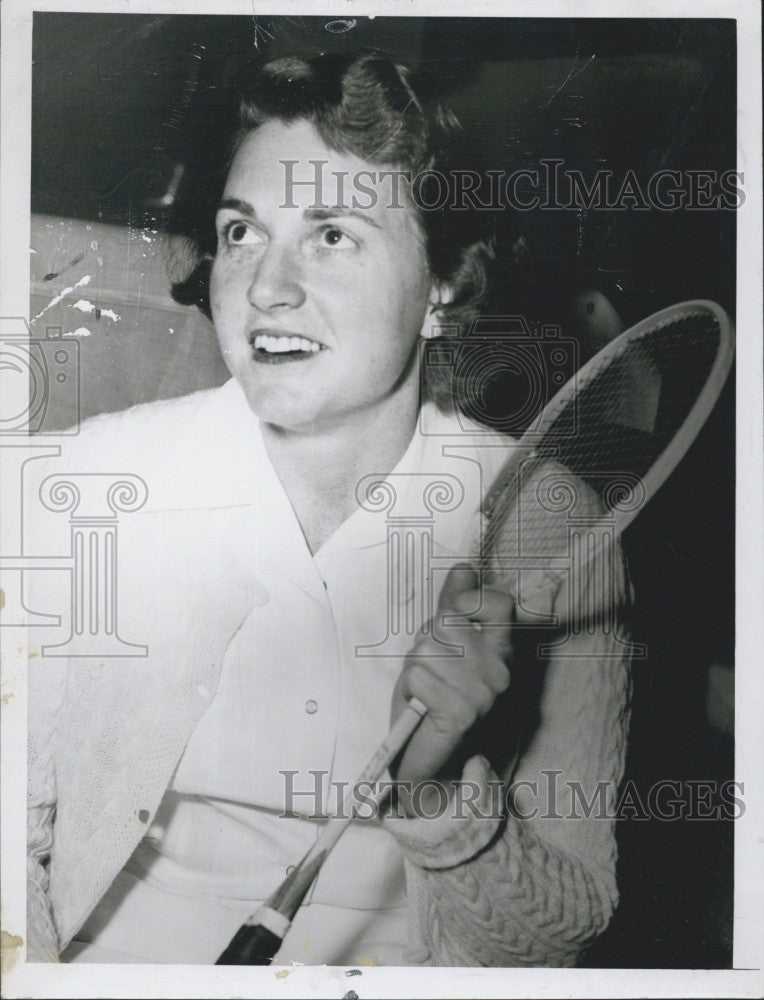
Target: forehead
column 288, row 167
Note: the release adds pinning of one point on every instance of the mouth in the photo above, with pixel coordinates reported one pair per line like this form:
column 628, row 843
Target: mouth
column 275, row 347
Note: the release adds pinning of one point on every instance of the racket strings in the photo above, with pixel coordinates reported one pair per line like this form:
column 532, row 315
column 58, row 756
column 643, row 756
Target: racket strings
column 627, row 410
column 587, row 466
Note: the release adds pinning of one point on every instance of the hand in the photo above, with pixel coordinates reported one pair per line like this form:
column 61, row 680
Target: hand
column 457, row 690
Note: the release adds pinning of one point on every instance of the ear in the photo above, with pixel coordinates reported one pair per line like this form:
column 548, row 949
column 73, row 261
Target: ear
column 440, row 295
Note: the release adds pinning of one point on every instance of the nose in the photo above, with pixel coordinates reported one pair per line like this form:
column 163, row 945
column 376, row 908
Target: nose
column 277, row 282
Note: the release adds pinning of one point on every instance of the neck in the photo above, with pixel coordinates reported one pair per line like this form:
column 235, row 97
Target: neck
column 320, row 469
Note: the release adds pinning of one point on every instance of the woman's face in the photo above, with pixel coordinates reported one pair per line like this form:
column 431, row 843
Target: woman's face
column 318, row 310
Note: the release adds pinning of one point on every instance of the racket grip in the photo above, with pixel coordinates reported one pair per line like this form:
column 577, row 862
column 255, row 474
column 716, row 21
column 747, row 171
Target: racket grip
column 255, row 943
column 251, row 945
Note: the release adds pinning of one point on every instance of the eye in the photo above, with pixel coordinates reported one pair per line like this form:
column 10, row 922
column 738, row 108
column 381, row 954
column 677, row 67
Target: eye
column 332, row 238
column 238, row 233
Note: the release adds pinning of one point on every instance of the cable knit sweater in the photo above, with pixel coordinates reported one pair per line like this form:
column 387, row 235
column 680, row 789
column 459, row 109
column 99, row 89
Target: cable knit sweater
column 516, row 889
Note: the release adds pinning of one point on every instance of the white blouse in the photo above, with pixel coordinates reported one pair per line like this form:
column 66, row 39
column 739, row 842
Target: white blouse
column 303, row 702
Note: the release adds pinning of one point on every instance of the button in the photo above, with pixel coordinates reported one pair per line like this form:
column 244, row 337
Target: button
column 202, row 691
column 311, row 707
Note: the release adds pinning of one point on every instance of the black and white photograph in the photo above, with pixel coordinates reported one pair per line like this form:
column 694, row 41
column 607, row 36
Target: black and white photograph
column 381, row 433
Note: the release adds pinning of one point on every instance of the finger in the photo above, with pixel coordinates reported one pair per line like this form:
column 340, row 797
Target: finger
column 481, row 664
column 489, row 609
column 460, row 577
column 487, row 605
column 451, row 699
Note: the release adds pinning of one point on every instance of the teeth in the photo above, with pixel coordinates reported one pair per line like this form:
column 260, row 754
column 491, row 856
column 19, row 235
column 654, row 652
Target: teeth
column 283, row 345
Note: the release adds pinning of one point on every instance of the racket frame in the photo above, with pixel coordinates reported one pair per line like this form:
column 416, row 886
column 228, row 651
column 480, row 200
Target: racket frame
column 682, row 439
column 286, row 900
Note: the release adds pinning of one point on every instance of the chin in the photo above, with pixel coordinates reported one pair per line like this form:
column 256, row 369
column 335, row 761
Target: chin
column 280, row 409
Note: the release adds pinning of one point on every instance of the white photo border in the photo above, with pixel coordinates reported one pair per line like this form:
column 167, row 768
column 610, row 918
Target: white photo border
column 745, row 979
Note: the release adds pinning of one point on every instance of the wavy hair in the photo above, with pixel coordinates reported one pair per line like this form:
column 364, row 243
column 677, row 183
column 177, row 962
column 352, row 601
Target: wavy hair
column 368, row 106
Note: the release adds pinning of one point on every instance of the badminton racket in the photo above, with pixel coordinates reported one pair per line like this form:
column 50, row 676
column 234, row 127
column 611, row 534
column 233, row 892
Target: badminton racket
column 602, row 447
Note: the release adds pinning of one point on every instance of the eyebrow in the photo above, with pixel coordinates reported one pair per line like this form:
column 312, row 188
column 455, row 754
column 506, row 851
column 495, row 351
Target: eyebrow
column 238, row 205
column 312, row 214
column 339, row 211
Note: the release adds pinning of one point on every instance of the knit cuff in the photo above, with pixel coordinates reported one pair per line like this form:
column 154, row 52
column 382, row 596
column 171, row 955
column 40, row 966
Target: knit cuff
column 459, row 829
column 42, row 940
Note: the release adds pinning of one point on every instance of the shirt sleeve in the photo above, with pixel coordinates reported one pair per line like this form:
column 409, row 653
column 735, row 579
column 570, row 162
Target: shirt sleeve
column 527, row 877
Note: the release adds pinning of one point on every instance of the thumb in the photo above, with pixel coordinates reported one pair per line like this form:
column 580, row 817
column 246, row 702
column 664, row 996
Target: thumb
column 460, row 578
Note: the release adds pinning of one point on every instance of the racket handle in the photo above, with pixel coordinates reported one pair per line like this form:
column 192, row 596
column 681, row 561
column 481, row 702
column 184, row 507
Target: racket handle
column 400, row 733
column 257, row 941
column 251, row 945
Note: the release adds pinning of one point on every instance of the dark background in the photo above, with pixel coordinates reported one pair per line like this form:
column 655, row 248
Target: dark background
column 122, row 104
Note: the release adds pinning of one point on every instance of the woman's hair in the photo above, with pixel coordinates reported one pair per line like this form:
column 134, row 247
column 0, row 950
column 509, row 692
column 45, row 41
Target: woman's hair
column 366, row 105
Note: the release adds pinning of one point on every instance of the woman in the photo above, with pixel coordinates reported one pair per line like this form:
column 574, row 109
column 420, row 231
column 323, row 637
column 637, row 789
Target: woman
column 170, row 793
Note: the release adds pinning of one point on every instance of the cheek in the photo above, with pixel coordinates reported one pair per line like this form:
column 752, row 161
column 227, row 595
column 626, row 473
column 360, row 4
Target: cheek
column 412, row 305
column 226, row 315
column 223, row 296
column 400, row 290
column 215, row 287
